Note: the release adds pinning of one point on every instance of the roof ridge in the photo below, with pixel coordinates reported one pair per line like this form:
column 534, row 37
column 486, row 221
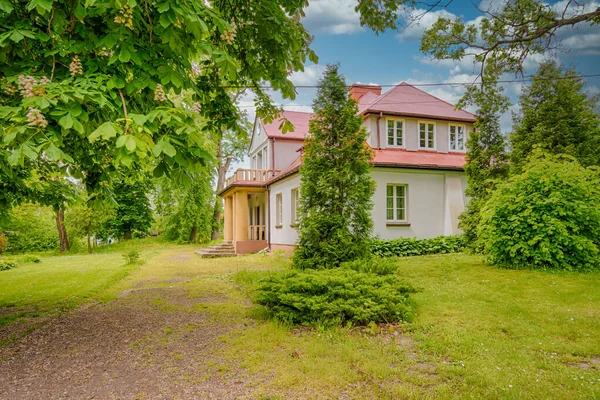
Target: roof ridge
column 382, row 96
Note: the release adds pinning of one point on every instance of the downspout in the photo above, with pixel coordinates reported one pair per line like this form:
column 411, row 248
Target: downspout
column 272, row 157
column 269, row 217
column 378, row 129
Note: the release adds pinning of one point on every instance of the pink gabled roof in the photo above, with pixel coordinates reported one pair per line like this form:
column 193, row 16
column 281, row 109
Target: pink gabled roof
column 407, row 100
column 418, row 159
column 365, row 102
column 289, row 170
column 298, row 119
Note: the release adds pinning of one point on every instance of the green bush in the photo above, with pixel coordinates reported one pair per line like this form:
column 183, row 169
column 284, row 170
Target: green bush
column 131, row 256
column 335, row 296
column 547, row 217
column 31, row 228
column 5, row 265
column 373, row 265
column 403, row 247
column 27, row 259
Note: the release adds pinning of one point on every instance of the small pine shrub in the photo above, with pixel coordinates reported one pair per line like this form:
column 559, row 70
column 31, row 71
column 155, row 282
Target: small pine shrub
column 373, row 265
column 403, row 247
column 547, row 217
column 335, row 296
column 131, row 256
column 5, row 265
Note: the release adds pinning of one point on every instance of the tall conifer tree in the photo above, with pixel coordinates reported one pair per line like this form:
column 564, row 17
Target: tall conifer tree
column 336, row 186
column 556, row 116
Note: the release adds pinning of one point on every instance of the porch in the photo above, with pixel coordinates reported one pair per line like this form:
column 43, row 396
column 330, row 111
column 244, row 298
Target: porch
column 246, row 210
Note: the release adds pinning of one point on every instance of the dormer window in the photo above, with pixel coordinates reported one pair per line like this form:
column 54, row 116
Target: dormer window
column 457, row 138
column 426, row 135
column 395, row 133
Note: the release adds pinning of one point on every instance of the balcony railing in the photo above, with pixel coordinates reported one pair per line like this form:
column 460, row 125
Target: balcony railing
column 251, row 175
column 256, row 232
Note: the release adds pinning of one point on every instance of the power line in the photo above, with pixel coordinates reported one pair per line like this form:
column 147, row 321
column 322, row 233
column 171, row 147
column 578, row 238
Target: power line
column 453, row 84
column 528, row 79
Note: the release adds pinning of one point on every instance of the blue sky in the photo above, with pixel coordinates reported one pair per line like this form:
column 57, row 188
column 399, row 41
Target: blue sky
column 393, row 57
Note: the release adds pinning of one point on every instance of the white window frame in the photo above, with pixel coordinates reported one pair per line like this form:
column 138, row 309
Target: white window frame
column 278, row 210
column 464, row 143
column 395, row 203
column 387, row 137
column 426, row 132
column 295, row 198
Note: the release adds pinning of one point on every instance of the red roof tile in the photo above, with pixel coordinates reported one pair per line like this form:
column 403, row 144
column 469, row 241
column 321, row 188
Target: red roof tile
column 407, row 100
column 298, row 119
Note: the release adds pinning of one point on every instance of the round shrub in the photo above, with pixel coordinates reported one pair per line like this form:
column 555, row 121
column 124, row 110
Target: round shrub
column 5, row 265
column 547, row 217
column 336, row 296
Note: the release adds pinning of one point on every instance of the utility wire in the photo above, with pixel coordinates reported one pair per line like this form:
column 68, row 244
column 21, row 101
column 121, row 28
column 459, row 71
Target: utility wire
column 528, row 79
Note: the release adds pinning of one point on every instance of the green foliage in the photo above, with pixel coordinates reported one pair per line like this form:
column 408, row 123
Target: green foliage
column 85, row 85
column 335, row 182
column 373, row 265
column 29, row 259
column 547, row 217
column 5, row 265
column 31, row 228
column 83, row 221
column 557, row 116
column 186, row 213
column 131, row 256
column 133, row 215
column 336, row 296
column 403, row 247
column 487, row 160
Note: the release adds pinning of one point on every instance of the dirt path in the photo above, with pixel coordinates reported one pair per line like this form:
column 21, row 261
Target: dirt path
column 158, row 340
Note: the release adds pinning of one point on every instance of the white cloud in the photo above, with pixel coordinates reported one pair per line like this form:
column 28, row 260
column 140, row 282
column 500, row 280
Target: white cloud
column 297, row 107
column 310, row 75
column 335, row 17
column 419, row 21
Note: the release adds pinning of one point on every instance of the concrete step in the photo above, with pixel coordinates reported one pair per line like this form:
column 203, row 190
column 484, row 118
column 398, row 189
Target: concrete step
column 210, row 255
column 224, row 249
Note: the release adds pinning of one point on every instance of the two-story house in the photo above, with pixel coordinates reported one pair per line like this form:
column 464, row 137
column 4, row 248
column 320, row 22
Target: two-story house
column 419, row 146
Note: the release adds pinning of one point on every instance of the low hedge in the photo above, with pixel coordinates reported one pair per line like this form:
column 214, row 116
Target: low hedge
column 403, row 247
column 335, row 296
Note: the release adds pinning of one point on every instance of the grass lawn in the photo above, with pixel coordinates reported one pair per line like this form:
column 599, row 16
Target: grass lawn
column 479, row 332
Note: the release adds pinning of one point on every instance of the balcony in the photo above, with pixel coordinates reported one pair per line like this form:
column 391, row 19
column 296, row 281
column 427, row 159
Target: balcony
column 250, row 176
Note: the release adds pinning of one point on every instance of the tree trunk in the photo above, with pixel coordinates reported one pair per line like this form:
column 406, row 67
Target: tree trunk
column 194, row 234
column 62, row 232
column 222, row 167
column 89, row 242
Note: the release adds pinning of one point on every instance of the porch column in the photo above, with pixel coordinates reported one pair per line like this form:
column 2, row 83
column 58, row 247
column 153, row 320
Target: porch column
column 228, row 223
column 241, row 215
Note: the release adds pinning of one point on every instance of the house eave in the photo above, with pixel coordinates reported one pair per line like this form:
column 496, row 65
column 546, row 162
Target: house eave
column 416, row 115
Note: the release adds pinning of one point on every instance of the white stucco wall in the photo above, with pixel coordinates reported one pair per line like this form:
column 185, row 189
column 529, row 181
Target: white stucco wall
column 286, row 152
column 285, row 234
column 434, row 201
column 429, row 199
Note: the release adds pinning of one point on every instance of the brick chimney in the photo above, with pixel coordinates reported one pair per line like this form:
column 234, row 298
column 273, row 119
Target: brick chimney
column 358, row 90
